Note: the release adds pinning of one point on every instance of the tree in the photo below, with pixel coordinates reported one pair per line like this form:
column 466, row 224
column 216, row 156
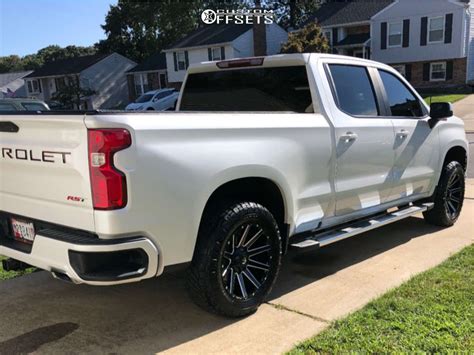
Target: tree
column 71, row 95
column 138, row 29
column 48, row 54
column 307, row 40
column 291, row 13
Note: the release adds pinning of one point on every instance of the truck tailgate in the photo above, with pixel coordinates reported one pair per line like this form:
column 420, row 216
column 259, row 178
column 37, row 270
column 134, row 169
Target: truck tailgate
column 44, row 171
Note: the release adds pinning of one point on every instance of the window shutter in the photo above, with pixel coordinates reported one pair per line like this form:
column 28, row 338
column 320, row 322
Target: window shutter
column 424, row 31
column 449, row 70
column 383, row 35
column 175, row 61
column 186, row 58
column 334, row 36
column 209, row 54
column 408, row 72
column 39, row 86
column 426, row 72
column 222, row 53
column 406, row 33
column 448, row 32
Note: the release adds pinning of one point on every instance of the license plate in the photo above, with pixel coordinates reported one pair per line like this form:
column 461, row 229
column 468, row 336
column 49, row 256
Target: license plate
column 23, row 231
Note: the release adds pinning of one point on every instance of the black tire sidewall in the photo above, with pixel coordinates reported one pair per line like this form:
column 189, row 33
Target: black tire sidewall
column 231, row 219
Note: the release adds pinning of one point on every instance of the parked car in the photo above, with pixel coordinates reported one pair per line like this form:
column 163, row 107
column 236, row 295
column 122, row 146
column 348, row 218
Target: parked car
column 22, row 105
column 304, row 150
column 156, row 100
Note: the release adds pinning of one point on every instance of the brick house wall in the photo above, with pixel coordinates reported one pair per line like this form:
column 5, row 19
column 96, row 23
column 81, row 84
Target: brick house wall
column 357, row 29
column 153, row 80
column 131, row 88
column 415, row 74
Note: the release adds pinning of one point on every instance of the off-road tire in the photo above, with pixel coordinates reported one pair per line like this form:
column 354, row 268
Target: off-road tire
column 440, row 215
column 205, row 280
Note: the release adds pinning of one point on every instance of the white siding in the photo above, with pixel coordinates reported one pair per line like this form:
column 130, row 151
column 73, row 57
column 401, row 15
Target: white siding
column 107, row 77
column 276, row 36
column 414, row 11
column 470, row 45
column 243, row 45
column 196, row 55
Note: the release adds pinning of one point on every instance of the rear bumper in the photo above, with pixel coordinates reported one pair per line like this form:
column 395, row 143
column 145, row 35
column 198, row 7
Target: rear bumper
column 102, row 263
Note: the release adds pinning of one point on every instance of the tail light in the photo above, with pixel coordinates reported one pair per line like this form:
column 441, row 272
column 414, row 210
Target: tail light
column 109, row 186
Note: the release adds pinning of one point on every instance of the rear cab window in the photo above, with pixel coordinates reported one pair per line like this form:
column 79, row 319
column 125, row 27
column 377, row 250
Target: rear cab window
column 274, row 89
column 353, row 90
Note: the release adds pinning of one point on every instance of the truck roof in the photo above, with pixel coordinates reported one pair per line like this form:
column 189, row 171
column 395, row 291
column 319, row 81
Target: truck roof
column 280, row 60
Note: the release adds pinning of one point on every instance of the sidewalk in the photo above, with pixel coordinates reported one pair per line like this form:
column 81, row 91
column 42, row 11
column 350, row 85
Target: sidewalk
column 465, row 110
column 43, row 315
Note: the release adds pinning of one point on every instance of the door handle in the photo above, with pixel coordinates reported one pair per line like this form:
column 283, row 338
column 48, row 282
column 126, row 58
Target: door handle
column 349, row 137
column 403, row 133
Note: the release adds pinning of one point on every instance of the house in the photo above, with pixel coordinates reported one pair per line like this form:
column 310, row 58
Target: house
column 102, row 73
column 347, row 25
column 219, row 42
column 148, row 75
column 13, row 84
column 431, row 42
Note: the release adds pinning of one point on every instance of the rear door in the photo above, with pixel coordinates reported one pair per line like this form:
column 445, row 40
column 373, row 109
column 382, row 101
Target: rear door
column 363, row 138
column 44, row 172
column 415, row 143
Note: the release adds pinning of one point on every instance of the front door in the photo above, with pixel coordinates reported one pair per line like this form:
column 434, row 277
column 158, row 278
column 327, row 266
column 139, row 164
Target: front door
column 415, row 143
column 363, row 139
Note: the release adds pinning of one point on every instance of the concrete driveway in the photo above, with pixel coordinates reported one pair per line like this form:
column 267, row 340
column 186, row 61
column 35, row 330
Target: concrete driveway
column 465, row 109
column 39, row 314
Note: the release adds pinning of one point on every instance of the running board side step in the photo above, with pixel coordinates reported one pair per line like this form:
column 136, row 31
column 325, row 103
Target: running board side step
column 361, row 226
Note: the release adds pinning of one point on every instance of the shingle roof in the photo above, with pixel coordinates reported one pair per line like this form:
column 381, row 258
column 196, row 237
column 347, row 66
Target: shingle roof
column 156, row 62
column 67, row 66
column 211, row 34
column 339, row 13
column 358, row 38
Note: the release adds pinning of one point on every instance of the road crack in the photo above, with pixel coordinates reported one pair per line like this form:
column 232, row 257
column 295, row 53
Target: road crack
column 284, row 308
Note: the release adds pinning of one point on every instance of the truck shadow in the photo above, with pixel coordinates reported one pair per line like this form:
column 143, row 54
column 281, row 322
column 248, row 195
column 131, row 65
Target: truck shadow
column 156, row 315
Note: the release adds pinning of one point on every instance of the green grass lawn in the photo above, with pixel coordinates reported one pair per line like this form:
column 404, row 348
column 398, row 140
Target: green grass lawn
column 431, row 313
column 5, row 275
column 430, row 98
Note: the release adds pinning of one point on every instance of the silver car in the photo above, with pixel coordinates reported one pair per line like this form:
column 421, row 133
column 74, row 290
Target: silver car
column 156, row 100
column 23, row 105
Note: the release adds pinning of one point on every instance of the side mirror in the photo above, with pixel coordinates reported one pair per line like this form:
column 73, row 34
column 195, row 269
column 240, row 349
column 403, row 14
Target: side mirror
column 440, row 111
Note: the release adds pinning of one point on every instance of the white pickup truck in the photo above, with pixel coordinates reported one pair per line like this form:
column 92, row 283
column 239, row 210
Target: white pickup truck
column 297, row 150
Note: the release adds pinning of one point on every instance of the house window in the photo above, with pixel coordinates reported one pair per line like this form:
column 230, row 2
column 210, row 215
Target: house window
column 181, row 60
column 328, row 36
column 216, row 53
column 60, row 83
column 394, row 34
column 438, row 71
column 141, row 83
column 401, row 69
column 436, row 29
column 34, row 86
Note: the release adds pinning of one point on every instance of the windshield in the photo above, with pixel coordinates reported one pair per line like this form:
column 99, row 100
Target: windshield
column 144, row 98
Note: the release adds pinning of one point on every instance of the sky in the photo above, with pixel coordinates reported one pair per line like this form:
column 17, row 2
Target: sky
column 29, row 25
